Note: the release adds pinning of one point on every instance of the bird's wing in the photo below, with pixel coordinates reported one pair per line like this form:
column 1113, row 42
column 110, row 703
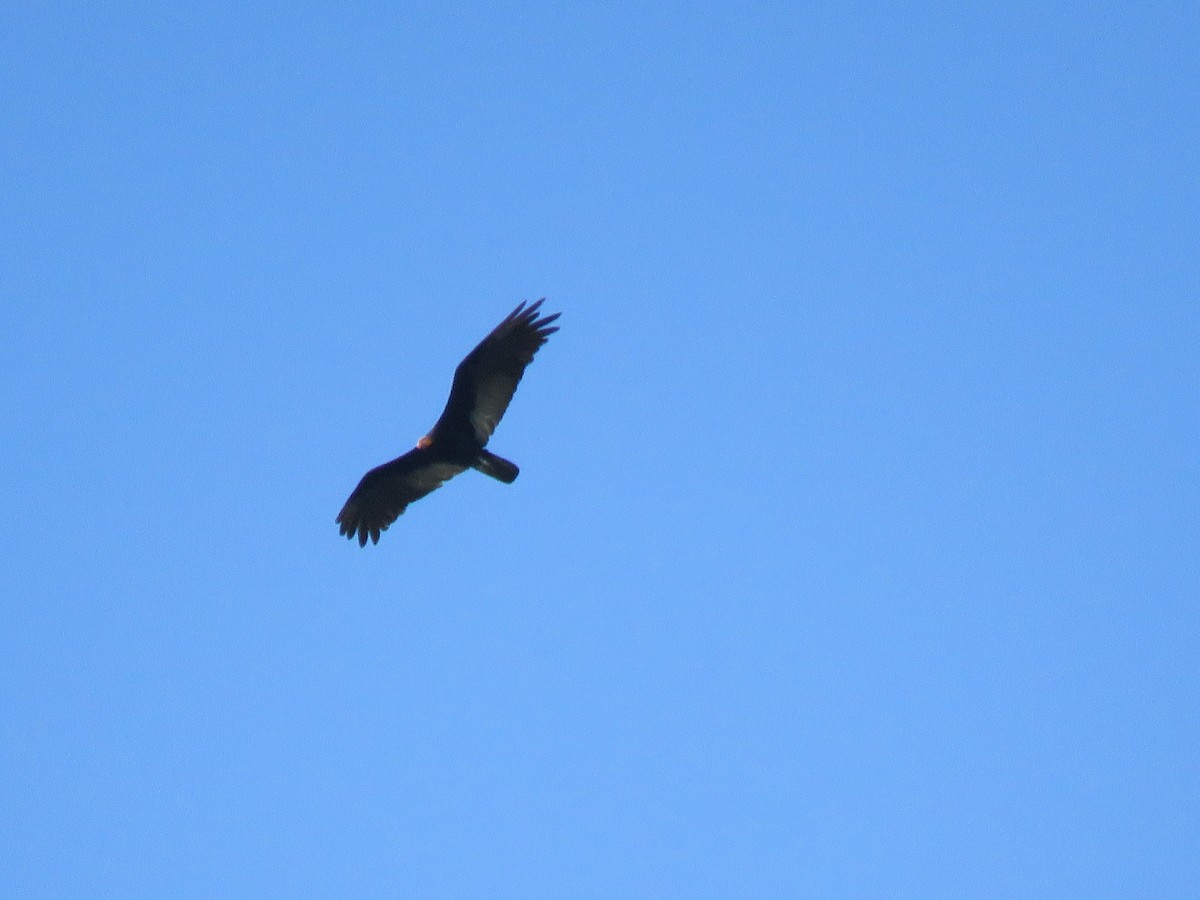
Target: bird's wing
column 486, row 379
column 386, row 490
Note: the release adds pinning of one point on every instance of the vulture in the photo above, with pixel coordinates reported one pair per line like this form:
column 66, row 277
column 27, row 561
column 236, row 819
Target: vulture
column 483, row 385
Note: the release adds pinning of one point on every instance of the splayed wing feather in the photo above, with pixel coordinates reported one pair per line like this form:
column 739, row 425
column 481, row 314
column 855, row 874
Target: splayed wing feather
column 385, row 492
column 485, row 381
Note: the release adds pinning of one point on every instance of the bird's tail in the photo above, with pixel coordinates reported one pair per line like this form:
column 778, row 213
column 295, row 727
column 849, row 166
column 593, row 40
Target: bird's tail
column 496, row 466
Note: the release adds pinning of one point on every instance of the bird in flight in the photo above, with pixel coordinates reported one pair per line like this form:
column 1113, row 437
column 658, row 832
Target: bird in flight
column 484, row 383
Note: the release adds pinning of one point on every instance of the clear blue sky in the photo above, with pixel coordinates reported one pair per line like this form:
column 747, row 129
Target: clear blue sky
column 854, row 552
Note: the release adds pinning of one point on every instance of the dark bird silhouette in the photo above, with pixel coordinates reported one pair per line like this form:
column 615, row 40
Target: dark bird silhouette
column 484, row 383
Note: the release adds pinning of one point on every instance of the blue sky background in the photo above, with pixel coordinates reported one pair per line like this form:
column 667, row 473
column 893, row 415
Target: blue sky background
column 854, row 552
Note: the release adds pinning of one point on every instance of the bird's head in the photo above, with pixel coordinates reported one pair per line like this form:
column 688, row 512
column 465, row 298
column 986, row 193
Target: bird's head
column 424, row 442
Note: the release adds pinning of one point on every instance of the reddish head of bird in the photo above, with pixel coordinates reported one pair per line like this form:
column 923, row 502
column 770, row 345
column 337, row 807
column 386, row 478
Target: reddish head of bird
column 424, row 442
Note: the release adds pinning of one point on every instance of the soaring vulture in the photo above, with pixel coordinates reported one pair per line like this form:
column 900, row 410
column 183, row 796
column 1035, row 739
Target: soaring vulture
column 484, row 383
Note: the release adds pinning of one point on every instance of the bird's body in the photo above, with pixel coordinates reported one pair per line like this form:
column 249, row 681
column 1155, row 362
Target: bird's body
column 484, row 383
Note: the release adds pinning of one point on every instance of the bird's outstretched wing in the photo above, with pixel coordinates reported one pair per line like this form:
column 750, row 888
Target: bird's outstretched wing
column 486, row 379
column 386, row 490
